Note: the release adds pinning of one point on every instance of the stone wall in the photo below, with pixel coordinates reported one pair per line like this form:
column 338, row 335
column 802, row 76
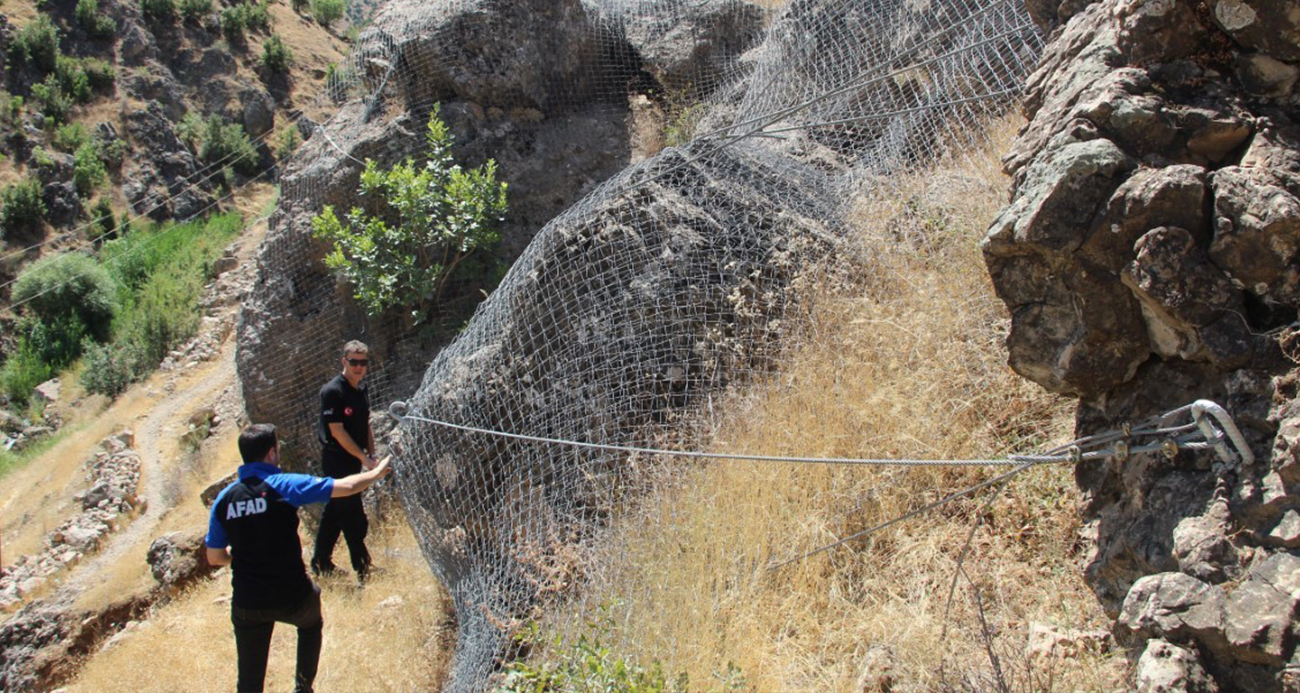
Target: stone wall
column 1150, row 256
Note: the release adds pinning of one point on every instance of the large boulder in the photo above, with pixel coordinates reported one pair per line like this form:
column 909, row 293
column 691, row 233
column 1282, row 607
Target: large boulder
column 1148, row 258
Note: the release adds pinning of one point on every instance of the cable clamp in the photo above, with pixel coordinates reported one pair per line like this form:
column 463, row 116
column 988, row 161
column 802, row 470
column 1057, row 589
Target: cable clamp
column 1169, row 448
column 1121, row 450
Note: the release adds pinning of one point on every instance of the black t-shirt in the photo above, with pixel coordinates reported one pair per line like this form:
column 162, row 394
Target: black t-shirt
column 350, row 406
column 261, row 525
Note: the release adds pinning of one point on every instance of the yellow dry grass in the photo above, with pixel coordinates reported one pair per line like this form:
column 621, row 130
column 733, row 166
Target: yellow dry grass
column 904, row 362
column 388, row 636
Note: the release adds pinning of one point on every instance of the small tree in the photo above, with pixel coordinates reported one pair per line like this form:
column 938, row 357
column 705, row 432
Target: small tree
column 21, row 207
column 276, row 56
column 442, row 215
column 327, row 12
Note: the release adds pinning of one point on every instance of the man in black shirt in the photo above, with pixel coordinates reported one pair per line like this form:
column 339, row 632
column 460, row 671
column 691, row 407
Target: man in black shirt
column 347, row 446
column 253, row 527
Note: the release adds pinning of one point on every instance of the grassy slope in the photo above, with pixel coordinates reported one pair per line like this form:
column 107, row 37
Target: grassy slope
column 905, row 362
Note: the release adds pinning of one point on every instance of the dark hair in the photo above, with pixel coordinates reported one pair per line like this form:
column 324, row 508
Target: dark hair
column 256, row 442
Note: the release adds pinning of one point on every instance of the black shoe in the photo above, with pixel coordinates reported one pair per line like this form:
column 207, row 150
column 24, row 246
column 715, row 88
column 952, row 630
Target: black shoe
column 367, row 573
column 318, row 568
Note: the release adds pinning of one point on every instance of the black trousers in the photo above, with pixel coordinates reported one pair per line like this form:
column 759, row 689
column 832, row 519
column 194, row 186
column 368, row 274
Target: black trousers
column 253, row 629
column 346, row 516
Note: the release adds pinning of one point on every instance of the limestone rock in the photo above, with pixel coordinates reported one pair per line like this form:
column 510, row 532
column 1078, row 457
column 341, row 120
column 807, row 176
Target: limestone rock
column 1261, row 611
column 1168, row 668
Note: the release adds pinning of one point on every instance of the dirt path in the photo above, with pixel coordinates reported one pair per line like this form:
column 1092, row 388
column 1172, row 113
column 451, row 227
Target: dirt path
column 155, row 441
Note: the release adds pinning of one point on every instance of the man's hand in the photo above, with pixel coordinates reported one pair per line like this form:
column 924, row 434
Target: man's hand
column 369, row 461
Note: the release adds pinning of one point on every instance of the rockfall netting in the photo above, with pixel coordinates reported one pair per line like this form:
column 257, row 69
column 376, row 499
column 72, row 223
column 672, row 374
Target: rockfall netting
column 682, row 172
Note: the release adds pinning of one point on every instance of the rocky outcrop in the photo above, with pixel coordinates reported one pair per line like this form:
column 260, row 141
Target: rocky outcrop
column 549, row 107
column 112, row 477
column 1150, row 256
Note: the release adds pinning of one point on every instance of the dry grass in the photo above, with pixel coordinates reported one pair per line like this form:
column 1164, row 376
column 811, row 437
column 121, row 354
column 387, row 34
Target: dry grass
column 386, row 637
column 906, row 363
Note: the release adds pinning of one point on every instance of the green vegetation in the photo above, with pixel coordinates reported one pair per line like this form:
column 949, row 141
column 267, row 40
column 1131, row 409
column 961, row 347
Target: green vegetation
column 326, row 12
column 122, row 312
column 442, row 215
column 287, row 142
column 158, row 11
column 88, row 170
column 227, row 144
column 219, row 143
column 590, row 666
column 159, row 273
column 66, row 300
column 66, row 81
column 245, row 16
column 276, row 56
column 194, row 11
column 21, row 207
column 95, row 24
column 36, row 44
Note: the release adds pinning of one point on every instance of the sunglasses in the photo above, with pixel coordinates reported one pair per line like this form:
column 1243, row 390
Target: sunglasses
column 358, row 362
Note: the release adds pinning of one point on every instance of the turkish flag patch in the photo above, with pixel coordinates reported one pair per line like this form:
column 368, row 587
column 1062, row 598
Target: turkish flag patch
column 347, row 411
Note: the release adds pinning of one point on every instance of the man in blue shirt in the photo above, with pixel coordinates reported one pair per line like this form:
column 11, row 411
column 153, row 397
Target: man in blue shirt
column 253, row 527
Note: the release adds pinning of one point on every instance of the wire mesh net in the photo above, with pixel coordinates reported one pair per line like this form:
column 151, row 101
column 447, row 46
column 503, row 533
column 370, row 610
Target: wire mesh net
column 666, row 274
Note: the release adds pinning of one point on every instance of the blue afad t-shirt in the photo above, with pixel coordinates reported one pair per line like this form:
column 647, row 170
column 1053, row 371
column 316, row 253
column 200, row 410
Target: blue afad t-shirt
column 257, row 517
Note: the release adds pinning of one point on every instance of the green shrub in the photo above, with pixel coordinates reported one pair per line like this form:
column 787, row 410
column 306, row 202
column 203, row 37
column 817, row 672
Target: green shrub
column 71, row 77
column 67, row 138
column 228, row 145
column 443, row 214
column 110, row 368
column 57, row 289
column 160, row 275
column 11, row 108
column 158, row 11
column 36, row 44
column 88, row 171
column 103, row 225
column 287, row 142
column 194, row 11
column 190, row 129
column 276, row 56
column 53, row 102
column 112, row 152
column 257, row 15
column 591, row 666
column 233, row 24
column 96, row 25
column 22, row 372
column 21, row 206
column 99, row 73
column 326, row 12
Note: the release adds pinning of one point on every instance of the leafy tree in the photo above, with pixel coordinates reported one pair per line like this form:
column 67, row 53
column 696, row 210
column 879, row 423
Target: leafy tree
column 67, row 290
column 441, row 213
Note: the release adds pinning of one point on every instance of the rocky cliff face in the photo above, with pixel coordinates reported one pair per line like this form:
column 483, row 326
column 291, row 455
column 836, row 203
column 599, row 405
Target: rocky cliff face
column 550, row 107
column 1150, row 255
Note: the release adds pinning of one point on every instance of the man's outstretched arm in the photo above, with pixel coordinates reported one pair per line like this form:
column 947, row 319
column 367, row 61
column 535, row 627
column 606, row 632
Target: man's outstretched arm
column 356, row 483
